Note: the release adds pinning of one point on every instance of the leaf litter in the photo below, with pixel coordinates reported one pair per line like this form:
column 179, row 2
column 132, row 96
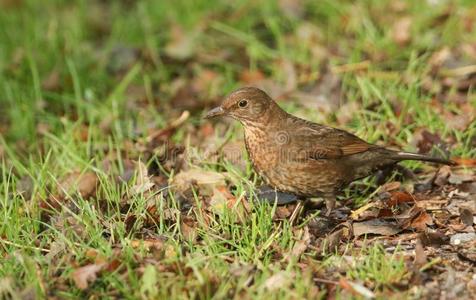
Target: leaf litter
column 432, row 222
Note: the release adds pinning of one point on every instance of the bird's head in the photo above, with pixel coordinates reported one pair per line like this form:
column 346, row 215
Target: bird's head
column 247, row 105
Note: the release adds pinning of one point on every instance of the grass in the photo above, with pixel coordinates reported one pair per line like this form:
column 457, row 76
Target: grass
column 115, row 84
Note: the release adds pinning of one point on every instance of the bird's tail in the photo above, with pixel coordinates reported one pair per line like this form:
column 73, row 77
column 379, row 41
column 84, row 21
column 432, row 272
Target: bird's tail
column 399, row 155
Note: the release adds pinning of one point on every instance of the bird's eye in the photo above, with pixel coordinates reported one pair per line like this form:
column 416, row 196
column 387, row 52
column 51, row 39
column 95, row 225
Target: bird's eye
column 243, row 103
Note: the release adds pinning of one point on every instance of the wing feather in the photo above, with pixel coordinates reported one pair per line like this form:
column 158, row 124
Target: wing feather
column 322, row 142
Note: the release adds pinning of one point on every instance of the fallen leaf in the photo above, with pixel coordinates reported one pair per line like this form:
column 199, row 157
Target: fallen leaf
column 300, row 245
column 87, row 274
column 398, row 197
column 83, row 183
column 375, row 226
column 331, row 242
column 465, row 161
column 283, row 212
column 150, row 243
column 143, row 181
column 390, row 186
column 356, row 288
column 420, row 255
column 189, row 229
column 206, row 181
column 278, row 281
column 421, row 221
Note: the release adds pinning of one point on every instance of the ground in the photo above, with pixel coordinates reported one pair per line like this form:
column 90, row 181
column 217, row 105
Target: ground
column 112, row 185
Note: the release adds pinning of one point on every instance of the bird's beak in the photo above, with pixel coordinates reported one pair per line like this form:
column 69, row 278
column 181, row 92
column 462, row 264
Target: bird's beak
column 216, row 112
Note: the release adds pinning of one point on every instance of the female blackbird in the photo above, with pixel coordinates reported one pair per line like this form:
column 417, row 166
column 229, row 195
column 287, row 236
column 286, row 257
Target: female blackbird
column 300, row 157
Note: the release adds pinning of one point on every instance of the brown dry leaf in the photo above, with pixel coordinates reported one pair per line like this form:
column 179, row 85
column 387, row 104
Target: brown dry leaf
column 87, row 274
column 439, row 57
column 390, row 186
column 331, row 242
column 150, row 243
column 375, row 226
column 421, row 221
column 83, row 183
column 401, row 31
column 284, row 212
column 143, row 181
column 206, row 181
column 91, row 254
column 278, row 281
column 465, row 161
column 189, row 229
column 420, row 255
column 301, row 245
column 221, row 199
column 356, row 288
column 398, row 197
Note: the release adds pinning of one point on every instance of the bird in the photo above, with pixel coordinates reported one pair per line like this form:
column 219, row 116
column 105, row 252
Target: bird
column 304, row 158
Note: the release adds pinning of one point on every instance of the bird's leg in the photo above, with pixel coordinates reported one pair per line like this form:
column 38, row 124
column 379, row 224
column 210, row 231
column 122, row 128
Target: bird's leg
column 268, row 194
column 330, row 203
column 329, row 200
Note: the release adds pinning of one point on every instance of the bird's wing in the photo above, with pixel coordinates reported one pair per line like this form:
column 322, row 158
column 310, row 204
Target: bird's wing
column 323, row 142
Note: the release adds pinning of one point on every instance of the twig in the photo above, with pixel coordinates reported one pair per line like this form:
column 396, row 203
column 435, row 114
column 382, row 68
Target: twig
column 326, row 281
column 23, row 246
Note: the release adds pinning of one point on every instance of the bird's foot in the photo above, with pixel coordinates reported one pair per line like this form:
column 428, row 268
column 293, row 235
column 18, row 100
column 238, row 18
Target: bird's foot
column 330, row 205
column 270, row 195
column 318, row 203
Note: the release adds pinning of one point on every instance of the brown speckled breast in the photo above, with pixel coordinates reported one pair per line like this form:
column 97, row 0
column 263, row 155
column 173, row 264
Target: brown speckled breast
column 275, row 160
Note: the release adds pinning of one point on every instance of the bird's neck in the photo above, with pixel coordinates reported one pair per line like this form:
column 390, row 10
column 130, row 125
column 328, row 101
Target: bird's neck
column 272, row 118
